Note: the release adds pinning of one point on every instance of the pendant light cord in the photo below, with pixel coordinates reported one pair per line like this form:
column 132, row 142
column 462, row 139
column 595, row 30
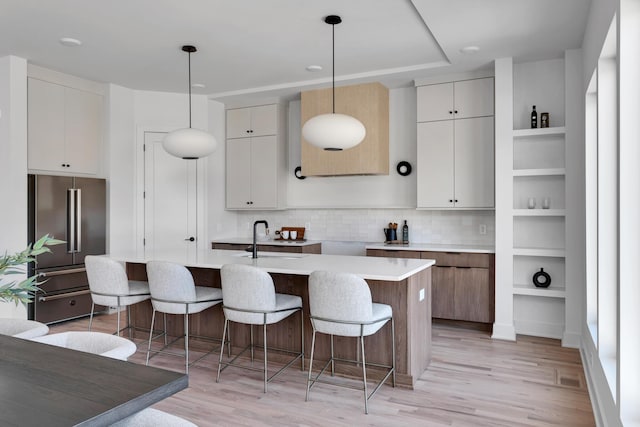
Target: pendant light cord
column 333, row 65
column 189, row 89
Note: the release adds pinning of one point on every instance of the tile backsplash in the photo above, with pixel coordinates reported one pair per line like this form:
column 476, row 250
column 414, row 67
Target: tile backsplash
column 365, row 225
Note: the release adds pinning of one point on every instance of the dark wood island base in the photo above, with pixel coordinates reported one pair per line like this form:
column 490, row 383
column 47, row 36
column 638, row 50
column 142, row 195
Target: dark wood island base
column 410, row 299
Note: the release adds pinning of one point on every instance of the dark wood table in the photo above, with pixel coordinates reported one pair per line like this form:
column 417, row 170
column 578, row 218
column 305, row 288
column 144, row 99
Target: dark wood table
column 44, row 385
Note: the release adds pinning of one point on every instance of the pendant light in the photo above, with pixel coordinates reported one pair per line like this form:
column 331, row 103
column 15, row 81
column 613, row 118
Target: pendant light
column 189, row 143
column 333, row 132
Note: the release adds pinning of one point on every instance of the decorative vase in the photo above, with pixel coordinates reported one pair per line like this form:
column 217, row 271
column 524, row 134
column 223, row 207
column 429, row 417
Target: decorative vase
column 541, row 279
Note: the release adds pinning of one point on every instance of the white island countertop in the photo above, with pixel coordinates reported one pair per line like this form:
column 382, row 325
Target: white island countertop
column 434, row 247
column 373, row 268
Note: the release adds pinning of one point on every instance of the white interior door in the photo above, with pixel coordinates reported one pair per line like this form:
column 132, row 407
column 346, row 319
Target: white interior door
column 170, row 200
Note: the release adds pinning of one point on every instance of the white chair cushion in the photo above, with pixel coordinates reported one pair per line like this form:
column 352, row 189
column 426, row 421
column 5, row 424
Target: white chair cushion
column 346, row 300
column 208, row 295
column 108, row 277
column 22, row 328
column 247, row 289
column 153, row 418
column 99, row 343
column 283, row 302
column 173, row 282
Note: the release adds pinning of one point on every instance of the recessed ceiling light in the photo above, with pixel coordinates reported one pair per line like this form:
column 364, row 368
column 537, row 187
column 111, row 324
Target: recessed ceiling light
column 467, row 50
column 68, row 41
column 314, row 68
column 198, row 85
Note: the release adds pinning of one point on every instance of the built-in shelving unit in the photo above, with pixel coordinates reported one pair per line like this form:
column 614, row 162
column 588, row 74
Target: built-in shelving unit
column 538, row 173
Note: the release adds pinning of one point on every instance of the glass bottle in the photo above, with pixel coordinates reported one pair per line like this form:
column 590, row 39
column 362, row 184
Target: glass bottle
column 534, row 118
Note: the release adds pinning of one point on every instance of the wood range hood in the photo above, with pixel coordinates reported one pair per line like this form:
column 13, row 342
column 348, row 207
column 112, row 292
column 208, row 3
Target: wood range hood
column 368, row 103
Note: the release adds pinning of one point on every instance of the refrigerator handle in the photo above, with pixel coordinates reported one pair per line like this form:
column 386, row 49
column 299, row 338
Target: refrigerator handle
column 78, row 219
column 71, row 220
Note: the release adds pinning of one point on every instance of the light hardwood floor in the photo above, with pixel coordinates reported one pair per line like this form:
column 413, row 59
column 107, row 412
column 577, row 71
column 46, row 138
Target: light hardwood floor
column 472, row 381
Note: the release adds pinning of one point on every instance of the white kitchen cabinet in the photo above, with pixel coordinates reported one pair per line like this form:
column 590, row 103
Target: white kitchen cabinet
column 64, row 128
column 255, row 164
column 252, row 173
column 456, row 100
column 456, row 163
column 252, row 121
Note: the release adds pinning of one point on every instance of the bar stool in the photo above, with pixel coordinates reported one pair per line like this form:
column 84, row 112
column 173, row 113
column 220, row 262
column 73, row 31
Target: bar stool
column 173, row 291
column 22, row 328
column 340, row 304
column 249, row 297
column 110, row 287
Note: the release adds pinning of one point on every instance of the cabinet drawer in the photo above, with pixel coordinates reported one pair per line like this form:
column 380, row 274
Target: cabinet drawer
column 229, row 246
column 389, row 253
column 58, row 280
column 57, row 307
column 459, row 259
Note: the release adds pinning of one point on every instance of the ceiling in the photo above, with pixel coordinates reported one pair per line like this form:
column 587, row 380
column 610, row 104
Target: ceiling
column 262, row 48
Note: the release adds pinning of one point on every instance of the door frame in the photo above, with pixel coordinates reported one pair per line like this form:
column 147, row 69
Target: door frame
column 138, row 203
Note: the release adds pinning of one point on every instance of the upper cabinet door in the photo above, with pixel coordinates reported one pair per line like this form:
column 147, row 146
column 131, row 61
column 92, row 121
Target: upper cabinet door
column 45, row 126
column 473, row 98
column 252, row 121
column 474, row 167
column 238, row 123
column 238, row 173
column 264, row 172
column 83, row 112
column 65, row 128
column 264, row 120
column 435, row 164
column 435, row 102
column 455, row 100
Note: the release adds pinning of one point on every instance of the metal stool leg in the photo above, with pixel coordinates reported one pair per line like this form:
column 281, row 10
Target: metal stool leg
column 393, row 350
column 186, row 341
column 91, row 315
column 302, row 339
column 264, row 345
column 224, row 335
column 333, row 365
column 313, row 346
column 153, row 319
column 364, row 377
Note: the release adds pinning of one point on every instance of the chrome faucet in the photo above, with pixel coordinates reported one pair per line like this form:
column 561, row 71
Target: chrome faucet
column 255, row 225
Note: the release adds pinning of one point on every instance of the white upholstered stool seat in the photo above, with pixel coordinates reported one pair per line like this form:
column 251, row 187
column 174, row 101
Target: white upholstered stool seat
column 22, row 328
column 340, row 304
column 110, row 287
column 173, row 291
column 249, row 297
column 151, row 417
column 99, row 343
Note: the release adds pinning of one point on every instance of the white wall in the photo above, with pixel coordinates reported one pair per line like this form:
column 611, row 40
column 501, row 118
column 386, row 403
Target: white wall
column 120, row 163
column 13, row 164
column 131, row 113
column 221, row 223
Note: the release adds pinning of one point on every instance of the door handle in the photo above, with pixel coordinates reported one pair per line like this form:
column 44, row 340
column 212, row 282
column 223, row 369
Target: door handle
column 190, row 239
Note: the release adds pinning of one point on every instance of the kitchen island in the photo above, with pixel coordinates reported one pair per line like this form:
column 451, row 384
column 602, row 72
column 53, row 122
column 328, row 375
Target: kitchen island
column 405, row 284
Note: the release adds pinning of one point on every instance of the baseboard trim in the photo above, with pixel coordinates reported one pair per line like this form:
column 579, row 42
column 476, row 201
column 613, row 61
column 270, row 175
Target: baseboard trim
column 505, row 332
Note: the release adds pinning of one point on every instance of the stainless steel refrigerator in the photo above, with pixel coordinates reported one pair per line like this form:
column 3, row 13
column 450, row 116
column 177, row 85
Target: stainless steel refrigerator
column 72, row 209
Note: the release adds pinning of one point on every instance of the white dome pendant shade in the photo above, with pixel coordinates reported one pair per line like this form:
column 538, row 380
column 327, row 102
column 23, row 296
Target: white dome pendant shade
column 334, row 132
column 189, row 143
column 331, row 131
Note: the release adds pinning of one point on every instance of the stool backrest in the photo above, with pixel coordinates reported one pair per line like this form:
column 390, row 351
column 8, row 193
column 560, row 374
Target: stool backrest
column 170, row 282
column 339, row 296
column 247, row 288
column 106, row 276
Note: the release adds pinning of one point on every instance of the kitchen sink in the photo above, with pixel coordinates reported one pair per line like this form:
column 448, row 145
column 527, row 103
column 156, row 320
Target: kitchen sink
column 281, row 255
